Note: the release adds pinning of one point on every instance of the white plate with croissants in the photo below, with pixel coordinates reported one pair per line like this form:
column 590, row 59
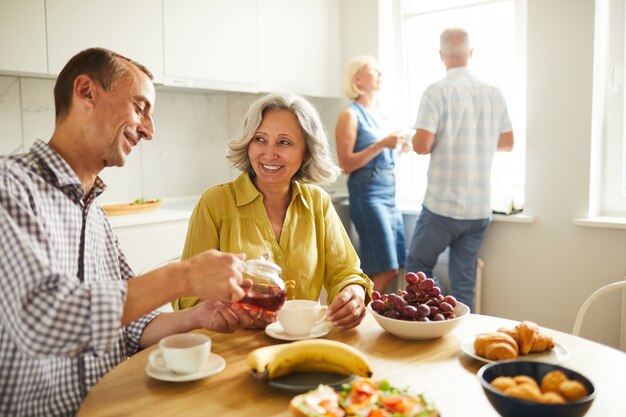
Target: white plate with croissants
column 525, row 341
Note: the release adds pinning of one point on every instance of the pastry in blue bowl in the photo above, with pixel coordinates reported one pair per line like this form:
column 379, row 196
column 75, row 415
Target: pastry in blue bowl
column 536, row 389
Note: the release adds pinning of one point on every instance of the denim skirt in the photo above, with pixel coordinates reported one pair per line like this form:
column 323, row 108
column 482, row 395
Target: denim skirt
column 372, row 195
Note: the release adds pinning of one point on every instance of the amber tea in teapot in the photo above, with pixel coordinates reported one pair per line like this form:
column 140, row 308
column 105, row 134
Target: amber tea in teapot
column 268, row 289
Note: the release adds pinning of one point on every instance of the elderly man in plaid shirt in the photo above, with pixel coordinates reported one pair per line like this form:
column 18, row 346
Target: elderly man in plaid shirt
column 462, row 121
column 69, row 310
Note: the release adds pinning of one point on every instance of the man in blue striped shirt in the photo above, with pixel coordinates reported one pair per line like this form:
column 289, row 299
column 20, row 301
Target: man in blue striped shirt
column 462, row 121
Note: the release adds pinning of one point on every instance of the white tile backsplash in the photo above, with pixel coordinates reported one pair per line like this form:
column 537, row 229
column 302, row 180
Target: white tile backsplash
column 190, row 144
column 10, row 116
column 187, row 155
column 37, row 110
column 124, row 183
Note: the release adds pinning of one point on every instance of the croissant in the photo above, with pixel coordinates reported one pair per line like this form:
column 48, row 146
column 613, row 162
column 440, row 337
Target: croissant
column 527, row 334
column 529, row 338
column 496, row 346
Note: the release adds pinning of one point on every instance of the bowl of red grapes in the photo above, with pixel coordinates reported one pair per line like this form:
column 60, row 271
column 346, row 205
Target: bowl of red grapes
column 420, row 311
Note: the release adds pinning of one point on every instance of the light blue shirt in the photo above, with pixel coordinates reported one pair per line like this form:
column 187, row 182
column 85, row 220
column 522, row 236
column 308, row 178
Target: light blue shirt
column 467, row 117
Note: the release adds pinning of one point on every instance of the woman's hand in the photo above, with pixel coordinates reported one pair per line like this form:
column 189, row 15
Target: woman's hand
column 348, row 308
column 226, row 317
column 393, row 140
column 253, row 317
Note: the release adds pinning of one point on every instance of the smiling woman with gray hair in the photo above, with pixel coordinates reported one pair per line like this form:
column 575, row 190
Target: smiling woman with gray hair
column 277, row 206
column 318, row 167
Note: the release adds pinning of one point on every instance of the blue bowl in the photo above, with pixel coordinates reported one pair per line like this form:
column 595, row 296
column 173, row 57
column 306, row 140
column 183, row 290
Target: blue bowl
column 514, row 407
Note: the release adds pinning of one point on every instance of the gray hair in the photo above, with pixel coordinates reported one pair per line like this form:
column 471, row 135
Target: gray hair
column 454, row 42
column 319, row 166
column 354, row 65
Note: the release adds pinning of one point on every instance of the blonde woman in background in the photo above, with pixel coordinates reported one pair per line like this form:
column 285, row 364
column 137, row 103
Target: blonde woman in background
column 277, row 205
column 366, row 153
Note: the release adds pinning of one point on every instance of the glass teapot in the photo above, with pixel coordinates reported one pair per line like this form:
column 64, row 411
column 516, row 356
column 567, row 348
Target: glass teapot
column 268, row 289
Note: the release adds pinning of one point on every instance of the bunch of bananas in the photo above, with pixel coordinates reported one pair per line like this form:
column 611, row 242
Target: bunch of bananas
column 315, row 355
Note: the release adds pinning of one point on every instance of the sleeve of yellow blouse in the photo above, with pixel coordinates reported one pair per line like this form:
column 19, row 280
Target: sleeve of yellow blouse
column 202, row 235
column 343, row 266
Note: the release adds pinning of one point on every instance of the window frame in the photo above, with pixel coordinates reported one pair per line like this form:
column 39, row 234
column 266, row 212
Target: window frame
column 506, row 193
column 607, row 197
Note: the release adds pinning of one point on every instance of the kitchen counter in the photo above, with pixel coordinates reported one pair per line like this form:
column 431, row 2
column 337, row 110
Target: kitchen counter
column 149, row 238
column 160, row 215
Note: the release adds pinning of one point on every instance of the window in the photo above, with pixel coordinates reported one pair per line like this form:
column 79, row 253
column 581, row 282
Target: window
column 608, row 155
column 497, row 35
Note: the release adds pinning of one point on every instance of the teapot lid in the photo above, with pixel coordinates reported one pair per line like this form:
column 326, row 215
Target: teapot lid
column 263, row 264
column 265, row 269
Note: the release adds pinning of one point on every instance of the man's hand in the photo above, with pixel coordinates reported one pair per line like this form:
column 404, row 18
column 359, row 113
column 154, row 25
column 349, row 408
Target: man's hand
column 216, row 316
column 215, row 275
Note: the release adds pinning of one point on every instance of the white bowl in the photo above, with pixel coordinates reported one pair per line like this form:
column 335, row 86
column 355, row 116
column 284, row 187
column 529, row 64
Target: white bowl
column 421, row 330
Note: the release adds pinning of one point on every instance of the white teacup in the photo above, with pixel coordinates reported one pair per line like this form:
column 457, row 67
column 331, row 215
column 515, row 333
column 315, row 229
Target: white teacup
column 182, row 353
column 407, row 145
column 298, row 317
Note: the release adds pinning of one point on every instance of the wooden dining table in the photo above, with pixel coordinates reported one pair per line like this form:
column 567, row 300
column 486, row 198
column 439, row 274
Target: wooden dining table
column 436, row 367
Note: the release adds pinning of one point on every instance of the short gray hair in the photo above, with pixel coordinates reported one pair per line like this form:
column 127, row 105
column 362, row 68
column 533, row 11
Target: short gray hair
column 354, row 65
column 454, row 42
column 319, row 166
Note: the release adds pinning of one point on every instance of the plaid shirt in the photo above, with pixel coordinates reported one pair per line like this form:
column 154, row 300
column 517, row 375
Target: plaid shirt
column 62, row 288
column 467, row 117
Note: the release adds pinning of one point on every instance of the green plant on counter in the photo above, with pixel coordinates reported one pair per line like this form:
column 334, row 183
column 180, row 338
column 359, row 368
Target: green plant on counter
column 144, row 201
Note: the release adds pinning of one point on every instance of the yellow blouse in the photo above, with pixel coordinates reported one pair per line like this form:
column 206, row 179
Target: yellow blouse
column 314, row 249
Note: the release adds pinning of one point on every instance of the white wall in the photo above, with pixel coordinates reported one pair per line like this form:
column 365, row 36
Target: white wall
column 544, row 271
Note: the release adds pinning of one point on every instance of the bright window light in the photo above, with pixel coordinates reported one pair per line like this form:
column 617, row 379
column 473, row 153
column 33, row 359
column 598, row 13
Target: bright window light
column 608, row 150
column 497, row 36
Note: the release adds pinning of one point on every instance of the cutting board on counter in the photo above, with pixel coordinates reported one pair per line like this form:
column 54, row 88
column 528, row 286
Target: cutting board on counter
column 130, row 208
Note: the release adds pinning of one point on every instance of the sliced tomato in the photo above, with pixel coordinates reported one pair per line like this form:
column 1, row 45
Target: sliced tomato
column 359, row 398
column 395, row 403
column 364, row 387
column 362, row 392
column 331, row 409
column 378, row 412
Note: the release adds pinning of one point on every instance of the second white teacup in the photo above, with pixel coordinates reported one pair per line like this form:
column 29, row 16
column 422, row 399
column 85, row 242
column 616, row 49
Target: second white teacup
column 298, row 317
column 182, row 353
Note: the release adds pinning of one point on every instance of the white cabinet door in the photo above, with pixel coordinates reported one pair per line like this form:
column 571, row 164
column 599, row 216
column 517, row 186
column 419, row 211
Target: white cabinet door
column 299, row 47
column 131, row 28
column 211, row 44
column 149, row 244
column 23, row 36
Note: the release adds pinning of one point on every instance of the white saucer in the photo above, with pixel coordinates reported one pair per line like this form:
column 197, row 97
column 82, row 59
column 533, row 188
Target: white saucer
column 554, row 356
column 214, row 365
column 276, row 331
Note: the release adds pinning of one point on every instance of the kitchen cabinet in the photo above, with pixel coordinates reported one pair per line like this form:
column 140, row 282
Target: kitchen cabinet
column 299, row 47
column 131, row 28
column 211, row 44
column 147, row 239
column 23, row 36
column 247, row 46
